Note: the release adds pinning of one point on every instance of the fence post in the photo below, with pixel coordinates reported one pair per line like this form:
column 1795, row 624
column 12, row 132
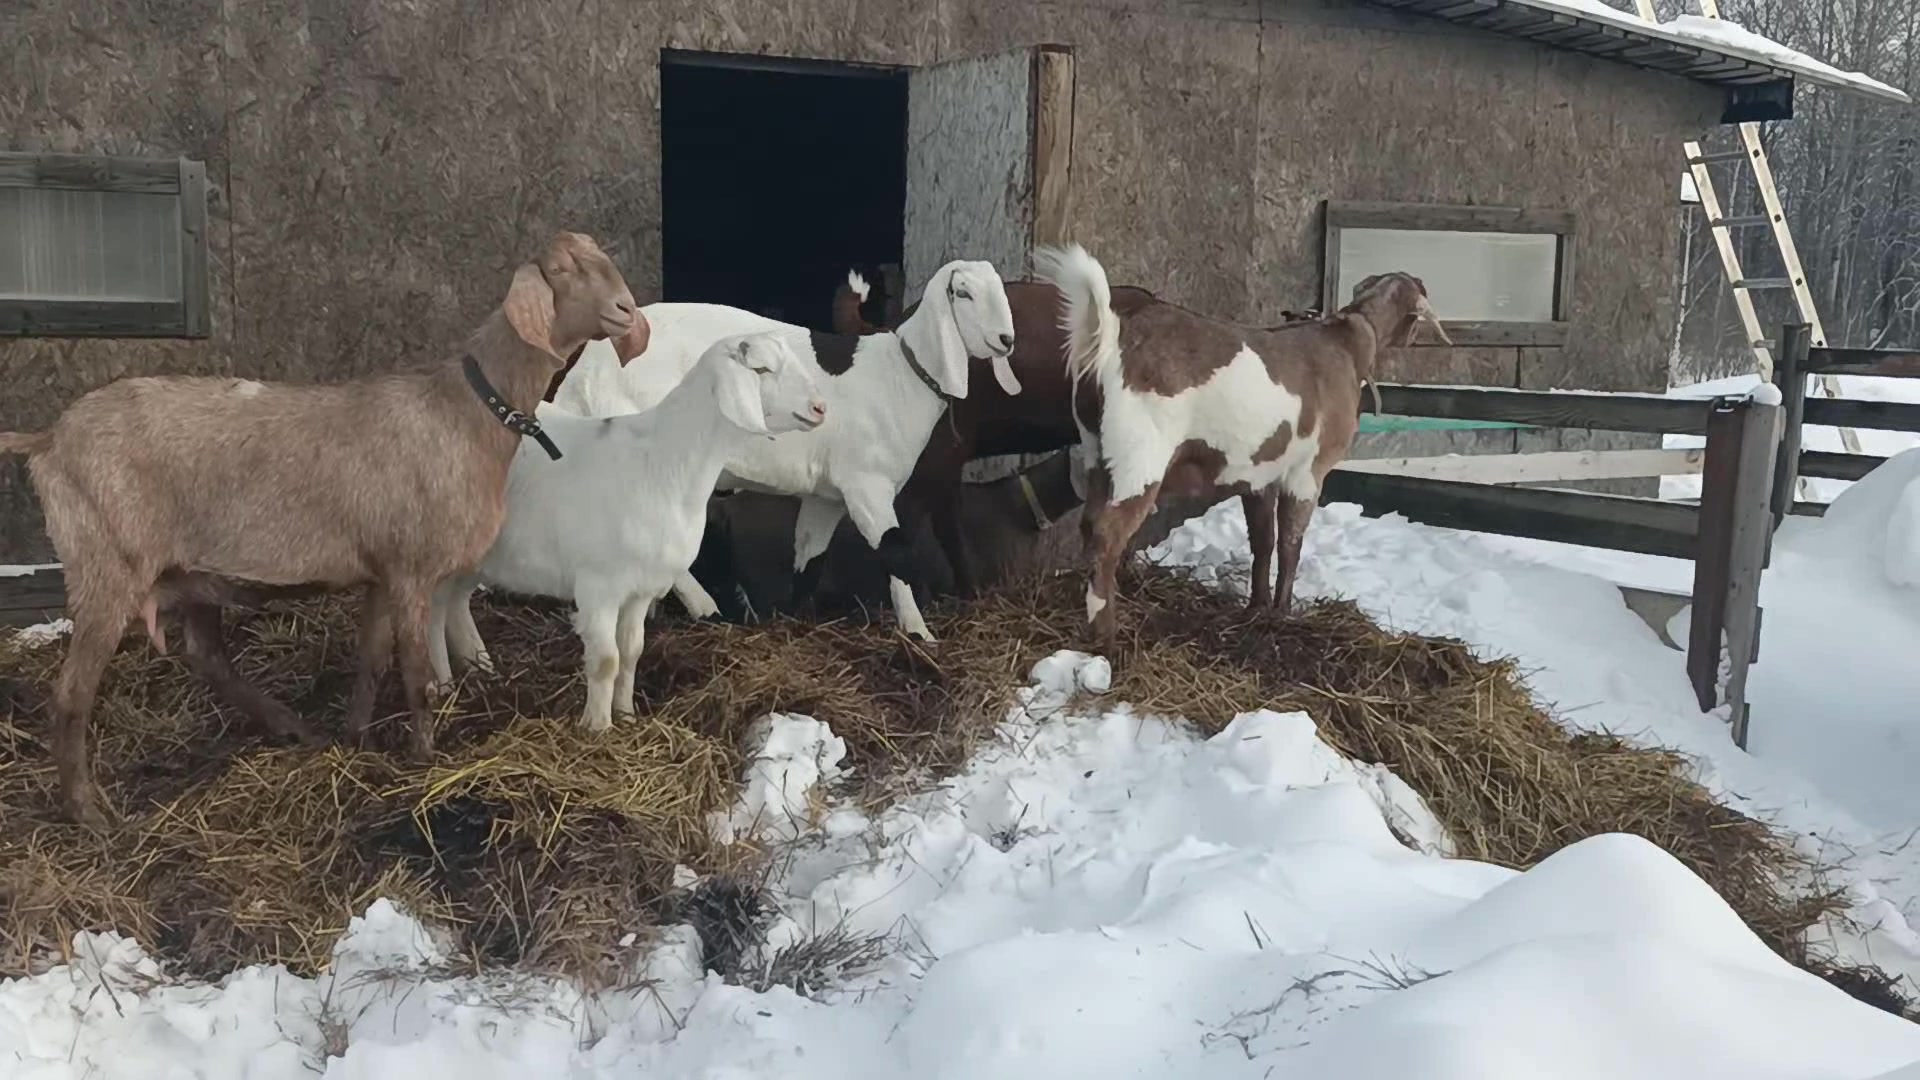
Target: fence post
column 1735, row 528
column 1790, row 376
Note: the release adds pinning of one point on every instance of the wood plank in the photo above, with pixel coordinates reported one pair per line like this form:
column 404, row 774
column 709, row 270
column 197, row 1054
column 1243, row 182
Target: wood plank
column 90, row 172
column 196, row 310
column 1537, row 468
column 1828, row 465
column 91, row 318
column 1053, row 91
column 1876, row 363
column 1648, row 413
column 1390, row 215
column 31, row 599
column 1616, row 522
column 1789, row 377
column 1872, row 415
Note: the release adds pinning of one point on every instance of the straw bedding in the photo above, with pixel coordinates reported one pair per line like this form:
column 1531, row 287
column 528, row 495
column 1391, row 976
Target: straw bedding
column 540, row 847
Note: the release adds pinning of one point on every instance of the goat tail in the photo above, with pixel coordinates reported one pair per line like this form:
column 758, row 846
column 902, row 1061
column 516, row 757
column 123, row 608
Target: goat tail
column 1086, row 313
column 25, row 442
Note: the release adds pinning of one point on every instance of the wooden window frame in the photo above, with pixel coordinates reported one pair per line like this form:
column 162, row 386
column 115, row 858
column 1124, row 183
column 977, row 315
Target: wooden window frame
column 1437, row 218
column 182, row 177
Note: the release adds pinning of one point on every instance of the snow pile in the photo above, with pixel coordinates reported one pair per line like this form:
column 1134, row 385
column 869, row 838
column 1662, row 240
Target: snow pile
column 792, row 757
column 1830, row 651
column 1095, row 895
column 1842, row 609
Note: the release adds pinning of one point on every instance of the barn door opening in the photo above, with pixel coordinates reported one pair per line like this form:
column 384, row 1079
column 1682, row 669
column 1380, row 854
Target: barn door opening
column 989, row 149
column 778, row 175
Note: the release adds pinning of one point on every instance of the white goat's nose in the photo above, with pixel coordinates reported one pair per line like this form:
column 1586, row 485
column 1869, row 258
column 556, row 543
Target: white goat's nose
column 817, row 408
column 1006, row 341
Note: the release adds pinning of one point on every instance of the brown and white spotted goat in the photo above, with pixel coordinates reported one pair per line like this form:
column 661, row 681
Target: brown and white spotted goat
column 1171, row 400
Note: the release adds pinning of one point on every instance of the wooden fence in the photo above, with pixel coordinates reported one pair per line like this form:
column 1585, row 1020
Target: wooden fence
column 1797, row 361
column 1727, row 534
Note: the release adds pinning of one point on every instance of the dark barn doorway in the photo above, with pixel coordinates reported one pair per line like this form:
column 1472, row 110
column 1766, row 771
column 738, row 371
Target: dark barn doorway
column 777, row 176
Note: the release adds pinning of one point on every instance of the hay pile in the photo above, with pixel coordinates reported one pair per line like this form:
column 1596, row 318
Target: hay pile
column 542, row 848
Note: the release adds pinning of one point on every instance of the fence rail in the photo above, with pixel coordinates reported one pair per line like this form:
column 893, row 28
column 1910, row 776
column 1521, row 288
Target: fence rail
column 1798, row 360
column 1727, row 534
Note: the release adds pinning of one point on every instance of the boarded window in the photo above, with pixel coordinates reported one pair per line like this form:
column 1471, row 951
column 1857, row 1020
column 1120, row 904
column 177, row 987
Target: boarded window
column 111, row 247
column 1496, row 276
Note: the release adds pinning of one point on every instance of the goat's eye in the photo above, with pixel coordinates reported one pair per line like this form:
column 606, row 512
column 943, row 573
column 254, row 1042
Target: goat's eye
column 962, row 294
column 762, row 371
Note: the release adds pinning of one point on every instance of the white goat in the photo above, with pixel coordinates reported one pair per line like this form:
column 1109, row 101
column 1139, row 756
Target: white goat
column 616, row 521
column 886, row 390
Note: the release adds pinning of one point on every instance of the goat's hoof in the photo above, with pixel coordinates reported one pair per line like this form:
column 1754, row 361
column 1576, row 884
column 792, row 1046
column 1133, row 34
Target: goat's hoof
column 595, row 725
column 483, row 662
column 88, row 810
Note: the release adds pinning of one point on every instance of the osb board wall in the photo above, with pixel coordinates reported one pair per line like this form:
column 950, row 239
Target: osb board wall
column 969, row 165
column 378, row 168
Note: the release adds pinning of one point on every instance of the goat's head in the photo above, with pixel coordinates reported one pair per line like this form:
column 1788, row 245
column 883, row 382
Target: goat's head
column 571, row 294
column 763, row 387
column 970, row 305
column 1404, row 297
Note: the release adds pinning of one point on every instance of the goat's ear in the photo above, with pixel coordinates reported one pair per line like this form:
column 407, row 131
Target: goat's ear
column 529, row 307
column 739, row 392
column 1424, row 315
column 634, row 341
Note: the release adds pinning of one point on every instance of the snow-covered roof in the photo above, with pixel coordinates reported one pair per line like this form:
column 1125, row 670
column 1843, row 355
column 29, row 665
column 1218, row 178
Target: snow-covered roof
column 1707, row 50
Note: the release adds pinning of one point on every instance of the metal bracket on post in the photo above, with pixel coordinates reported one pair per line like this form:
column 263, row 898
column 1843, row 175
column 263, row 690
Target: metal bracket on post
column 1735, row 528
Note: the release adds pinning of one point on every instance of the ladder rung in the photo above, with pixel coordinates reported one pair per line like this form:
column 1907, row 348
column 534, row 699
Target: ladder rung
column 1764, row 283
column 1718, row 155
column 1741, row 221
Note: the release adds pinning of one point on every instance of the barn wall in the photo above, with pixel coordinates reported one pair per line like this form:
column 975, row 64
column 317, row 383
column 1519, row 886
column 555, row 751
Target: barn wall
column 378, row 168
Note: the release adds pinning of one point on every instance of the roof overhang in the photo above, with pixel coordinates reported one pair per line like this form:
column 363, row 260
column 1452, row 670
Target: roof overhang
column 1757, row 74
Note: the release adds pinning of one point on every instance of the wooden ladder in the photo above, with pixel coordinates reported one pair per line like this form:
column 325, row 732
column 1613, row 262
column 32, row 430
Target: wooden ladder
column 1722, row 226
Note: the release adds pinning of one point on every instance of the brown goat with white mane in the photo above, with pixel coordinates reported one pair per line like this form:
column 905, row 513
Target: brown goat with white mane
column 161, row 493
column 1169, row 399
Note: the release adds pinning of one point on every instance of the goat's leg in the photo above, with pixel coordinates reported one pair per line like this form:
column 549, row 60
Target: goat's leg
column 206, row 652
column 1112, row 536
column 598, row 623
column 376, row 656
column 945, row 514
column 1262, row 531
column 1294, row 515
column 632, row 634
column 96, row 636
column 872, row 513
column 812, row 532
column 463, row 635
column 1099, row 489
column 409, row 607
column 693, row 597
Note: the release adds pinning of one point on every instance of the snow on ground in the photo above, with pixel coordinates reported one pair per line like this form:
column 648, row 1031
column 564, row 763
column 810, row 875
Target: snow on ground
column 1096, row 896
column 1601, row 668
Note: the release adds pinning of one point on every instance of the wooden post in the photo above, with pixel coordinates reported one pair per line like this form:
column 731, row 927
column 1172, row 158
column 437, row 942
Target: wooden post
column 1735, row 527
column 1790, row 376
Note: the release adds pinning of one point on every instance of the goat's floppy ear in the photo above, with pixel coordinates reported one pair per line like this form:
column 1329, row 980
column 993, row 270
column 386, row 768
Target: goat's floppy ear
column 529, row 307
column 739, row 391
column 634, row 341
column 1424, row 315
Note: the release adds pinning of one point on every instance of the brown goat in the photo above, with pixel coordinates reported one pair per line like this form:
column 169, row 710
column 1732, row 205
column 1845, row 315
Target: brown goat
column 989, row 422
column 1179, row 402
column 166, row 492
